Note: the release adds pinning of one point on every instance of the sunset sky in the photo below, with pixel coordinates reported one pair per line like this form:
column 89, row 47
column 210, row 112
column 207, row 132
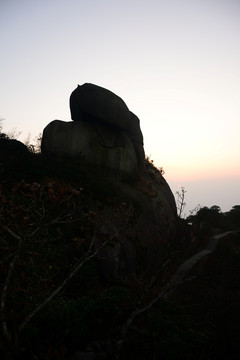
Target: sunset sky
column 175, row 63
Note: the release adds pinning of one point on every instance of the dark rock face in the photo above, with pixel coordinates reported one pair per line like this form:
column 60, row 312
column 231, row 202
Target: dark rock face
column 143, row 246
column 16, row 161
column 12, row 146
column 105, row 139
column 95, row 146
column 90, row 101
column 94, row 104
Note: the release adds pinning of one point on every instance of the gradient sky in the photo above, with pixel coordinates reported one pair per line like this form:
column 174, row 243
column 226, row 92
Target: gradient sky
column 175, row 63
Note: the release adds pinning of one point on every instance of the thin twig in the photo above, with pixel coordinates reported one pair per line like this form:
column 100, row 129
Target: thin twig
column 139, row 309
column 85, row 259
column 11, row 268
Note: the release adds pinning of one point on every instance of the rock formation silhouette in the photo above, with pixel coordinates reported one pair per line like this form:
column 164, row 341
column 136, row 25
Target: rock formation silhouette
column 105, row 141
column 92, row 103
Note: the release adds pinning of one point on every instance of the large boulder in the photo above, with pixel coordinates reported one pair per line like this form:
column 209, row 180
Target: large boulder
column 101, row 104
column 94, row 104
column 97, row 148
column 12, row 146
column 16, row 161
column 144, row 242
column 106, row 143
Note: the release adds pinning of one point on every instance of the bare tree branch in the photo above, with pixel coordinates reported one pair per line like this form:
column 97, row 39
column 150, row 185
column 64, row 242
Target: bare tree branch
column 139, row 308
column 88, row 256
column 11, row 268
column 180, row 201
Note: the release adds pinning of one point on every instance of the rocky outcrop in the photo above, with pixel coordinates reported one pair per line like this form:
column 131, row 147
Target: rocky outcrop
column 12, row 146
column 16, row 160
column 95, row 146
column 106, row 143
column 93, row 104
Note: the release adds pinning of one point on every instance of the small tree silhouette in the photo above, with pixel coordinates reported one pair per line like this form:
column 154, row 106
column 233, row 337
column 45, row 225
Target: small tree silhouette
column 180, row 201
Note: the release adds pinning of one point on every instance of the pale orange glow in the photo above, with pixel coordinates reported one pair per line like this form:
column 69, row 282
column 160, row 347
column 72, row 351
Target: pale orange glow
column 188, row 173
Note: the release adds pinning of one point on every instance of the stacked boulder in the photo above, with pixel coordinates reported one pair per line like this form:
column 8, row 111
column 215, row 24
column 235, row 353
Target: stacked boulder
column 106, row 141
column 104, row 133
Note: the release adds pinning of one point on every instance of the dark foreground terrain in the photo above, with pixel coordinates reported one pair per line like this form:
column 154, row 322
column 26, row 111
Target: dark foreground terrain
column 55, row 303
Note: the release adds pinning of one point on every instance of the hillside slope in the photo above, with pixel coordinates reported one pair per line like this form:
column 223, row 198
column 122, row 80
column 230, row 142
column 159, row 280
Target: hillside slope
column 57, row 304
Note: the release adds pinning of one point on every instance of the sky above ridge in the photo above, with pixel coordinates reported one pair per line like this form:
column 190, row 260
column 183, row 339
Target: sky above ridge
column 175, row 63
